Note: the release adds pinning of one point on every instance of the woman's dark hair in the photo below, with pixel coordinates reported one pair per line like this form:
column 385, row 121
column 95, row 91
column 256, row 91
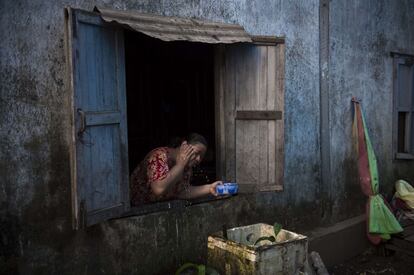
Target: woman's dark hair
column 192, row 138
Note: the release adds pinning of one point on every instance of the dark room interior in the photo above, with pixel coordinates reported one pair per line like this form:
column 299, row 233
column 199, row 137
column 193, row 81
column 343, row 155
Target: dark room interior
column 170, row 93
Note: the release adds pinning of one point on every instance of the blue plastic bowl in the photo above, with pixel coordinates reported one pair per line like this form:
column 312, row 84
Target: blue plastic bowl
column 227, row 188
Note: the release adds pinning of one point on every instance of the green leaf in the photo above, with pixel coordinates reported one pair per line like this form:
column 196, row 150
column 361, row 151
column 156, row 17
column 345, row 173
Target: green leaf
column 276, row 228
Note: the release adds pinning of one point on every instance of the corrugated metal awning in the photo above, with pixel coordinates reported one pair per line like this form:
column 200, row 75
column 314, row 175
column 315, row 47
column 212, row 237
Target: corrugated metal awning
column 176, row 28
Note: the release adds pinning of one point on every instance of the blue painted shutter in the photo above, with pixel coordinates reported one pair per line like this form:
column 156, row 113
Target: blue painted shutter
column 100, row 157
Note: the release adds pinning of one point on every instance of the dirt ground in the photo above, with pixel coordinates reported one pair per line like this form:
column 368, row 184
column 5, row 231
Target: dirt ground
column 376, row 261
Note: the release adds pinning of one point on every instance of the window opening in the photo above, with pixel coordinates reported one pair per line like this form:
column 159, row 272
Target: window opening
column 170, row 93
column 404, row 107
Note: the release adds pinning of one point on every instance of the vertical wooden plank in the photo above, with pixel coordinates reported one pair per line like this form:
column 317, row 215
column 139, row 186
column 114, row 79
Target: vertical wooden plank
column 98, row 65
column 407, row 131
column 409, row 136
column 395, row 138
column 251, row 155
column 325, row 136
column 263, row 125
column 96, row 168
column 109, row 76
column 82, row 89
column 70, row 54
column 81, row 95
column 280, row 106
column 404, row 91
column 219, row 73
column 411, row 140
column 247, row 169
column 248, row 158
column 229, row 114
column 271, row 105
column 98, row 62
column 85, row 100
column 91, row 36
column 263, row 128
column 412, row 87
column 121, row 101
column 251, row 84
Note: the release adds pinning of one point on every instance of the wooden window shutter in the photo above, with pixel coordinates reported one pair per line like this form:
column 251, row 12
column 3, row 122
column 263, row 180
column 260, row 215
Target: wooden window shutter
column 99, row 154
column 250, row 126
column 404, row 107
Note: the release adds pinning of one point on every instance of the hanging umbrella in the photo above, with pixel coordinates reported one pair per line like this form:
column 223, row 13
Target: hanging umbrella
column 381, row 222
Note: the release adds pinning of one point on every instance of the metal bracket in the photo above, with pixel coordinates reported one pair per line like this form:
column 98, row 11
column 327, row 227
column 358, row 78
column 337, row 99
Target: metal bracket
column 82, row 123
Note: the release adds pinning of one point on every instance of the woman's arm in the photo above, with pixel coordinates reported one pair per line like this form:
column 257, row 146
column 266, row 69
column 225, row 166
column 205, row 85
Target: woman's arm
column 199, row 191
column 184, row 156
column 159, row 187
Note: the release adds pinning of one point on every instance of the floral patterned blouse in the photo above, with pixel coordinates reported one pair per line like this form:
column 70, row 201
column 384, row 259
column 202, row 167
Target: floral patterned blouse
column 155, row 167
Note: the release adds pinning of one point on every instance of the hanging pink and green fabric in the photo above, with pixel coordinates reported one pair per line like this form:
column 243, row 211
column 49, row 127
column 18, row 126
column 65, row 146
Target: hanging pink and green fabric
column 381, row 222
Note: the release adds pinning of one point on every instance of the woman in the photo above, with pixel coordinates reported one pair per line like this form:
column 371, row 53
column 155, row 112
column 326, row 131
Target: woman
column 166, row 171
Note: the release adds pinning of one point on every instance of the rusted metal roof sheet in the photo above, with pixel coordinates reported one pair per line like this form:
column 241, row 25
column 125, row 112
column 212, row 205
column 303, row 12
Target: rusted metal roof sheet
column 176, row 28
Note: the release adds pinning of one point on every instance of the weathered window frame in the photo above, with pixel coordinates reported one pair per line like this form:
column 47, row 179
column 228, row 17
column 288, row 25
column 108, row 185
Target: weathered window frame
column 408, row 139
column 79, row 211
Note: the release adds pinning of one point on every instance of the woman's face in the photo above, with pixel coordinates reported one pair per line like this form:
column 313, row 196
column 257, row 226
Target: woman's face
column 200, row 151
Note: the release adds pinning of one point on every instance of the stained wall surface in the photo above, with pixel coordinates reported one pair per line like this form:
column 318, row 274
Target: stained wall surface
column 35, row 196
column 362, row 36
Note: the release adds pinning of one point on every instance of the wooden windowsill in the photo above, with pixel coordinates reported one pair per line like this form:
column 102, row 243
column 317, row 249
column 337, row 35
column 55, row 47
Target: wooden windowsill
column 404, row 156
column 169, row 205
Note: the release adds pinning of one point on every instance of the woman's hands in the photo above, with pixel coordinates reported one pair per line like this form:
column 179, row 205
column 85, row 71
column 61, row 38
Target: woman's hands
column 185, row 154
column 199, row 191
column 212, row 187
